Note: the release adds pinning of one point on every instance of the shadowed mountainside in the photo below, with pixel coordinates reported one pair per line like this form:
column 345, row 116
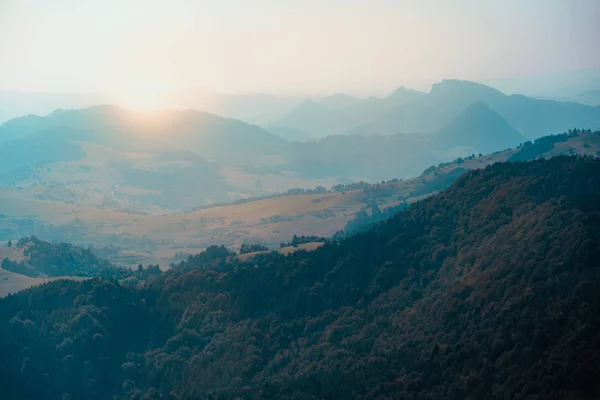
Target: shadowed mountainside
column 168, row 162
column 487, row 290
column 429, row 112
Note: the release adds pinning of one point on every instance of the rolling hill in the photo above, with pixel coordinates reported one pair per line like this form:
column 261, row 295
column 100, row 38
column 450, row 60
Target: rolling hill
column 486, row 290
column 169, row 162
column 160, row 162
column 257, row 108
column 159, row 238
column 31, row 262
column 208, row 135
column 39, row 259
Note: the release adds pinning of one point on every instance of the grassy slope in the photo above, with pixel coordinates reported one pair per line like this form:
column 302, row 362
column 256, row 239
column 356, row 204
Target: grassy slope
column 11, row 282
column 234, row 224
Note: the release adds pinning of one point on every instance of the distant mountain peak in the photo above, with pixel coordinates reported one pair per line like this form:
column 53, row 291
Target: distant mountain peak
column 479, row 107
column 400, row 90
column 479, row 115
column 480, row 127
column 58, row 111
column 403, row 95
column 105, row 110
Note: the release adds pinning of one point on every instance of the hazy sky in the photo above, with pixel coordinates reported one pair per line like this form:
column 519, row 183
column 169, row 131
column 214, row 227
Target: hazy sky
column 287, row 46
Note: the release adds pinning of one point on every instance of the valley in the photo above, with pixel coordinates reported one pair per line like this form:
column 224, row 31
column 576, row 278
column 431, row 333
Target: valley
column 473, row 291
column 157, row 239
column 318, row 200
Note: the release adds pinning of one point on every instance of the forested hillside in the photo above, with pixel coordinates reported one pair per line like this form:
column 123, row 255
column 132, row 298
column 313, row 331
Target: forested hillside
column 43, row 259
column 485, row 291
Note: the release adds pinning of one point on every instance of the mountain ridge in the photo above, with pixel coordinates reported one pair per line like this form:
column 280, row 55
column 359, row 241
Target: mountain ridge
column 428, row 112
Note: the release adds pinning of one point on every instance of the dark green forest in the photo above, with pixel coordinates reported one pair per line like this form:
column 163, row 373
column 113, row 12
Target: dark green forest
column 488, row 290
column 52, row 260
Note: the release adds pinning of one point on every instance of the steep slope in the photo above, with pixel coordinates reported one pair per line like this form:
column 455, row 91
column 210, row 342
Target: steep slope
column 532, row 117
column 480, row 128
column 340, row 113
column 311, row 119
column 535, row 118
column 362, row 158
column 477, row 129
column 418, row 117
column 488, row 290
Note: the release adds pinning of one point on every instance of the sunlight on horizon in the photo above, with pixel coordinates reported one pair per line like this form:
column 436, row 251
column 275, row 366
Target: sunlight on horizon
column 141, row 101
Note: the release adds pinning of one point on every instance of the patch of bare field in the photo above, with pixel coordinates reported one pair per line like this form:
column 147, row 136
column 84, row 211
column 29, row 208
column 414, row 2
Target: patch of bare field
column 11, row 282
column 270, row 221
column 13, row 253
column 284, row 250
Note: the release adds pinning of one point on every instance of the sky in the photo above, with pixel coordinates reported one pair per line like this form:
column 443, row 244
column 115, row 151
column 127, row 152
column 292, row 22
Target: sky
column 284, row 46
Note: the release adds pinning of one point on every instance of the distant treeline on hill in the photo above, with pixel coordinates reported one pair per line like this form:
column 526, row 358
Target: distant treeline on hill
column 43, row 259
column 528, row 150
column 296, row 191
column 531, row 150
column 51, row 260
column 298, row 240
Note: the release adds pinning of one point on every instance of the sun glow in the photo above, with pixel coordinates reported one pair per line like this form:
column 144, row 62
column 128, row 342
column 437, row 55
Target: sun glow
column 142, row 100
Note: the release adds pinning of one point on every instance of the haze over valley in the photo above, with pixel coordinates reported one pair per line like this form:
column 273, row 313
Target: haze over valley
column 314, row 200
column 108, row 176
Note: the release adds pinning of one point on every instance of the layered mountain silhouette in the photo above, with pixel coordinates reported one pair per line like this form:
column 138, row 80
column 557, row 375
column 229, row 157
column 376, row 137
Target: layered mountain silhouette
column 228, row 142
column 256, row 108
column 340, row 113
column 338, row 101
column 208, row 135
column 477, row 129
column 589, row 97
column 251, row 107
column 227, row 159
column 418, row 112
column 172, row 160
